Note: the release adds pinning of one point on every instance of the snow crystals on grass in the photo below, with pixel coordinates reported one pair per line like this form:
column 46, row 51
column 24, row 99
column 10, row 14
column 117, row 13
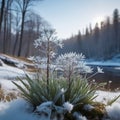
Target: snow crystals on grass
column 100, row 70
column 44, row 107
column 63, row 90
column 72, row 62
column 45, row 110
column 68, row 106
column 18, row 109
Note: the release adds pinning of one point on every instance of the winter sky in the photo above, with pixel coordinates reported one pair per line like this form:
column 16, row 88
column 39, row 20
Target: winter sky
column 69, row 16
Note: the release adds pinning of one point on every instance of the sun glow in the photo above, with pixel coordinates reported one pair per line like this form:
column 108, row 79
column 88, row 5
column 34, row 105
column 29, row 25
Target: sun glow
column 98, row 20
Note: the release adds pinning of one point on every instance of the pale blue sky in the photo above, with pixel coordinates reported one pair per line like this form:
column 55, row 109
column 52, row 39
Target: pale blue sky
column 69, row 16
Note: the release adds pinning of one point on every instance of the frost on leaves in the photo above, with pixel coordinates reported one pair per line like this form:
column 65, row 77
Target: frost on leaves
column 68, row 106
column 72, row 63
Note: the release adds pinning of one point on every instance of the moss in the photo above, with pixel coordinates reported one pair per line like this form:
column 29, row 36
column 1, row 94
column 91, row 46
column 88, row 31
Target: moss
column 97, row 113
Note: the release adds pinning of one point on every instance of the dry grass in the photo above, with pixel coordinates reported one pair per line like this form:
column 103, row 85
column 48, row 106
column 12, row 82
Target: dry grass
column 17, row 58
column 7, row 97
column 28, row 63
column 24, row 59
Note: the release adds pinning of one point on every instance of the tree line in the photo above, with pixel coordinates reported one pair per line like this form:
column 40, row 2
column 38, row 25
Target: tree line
column 19, row 26
column 100, row 42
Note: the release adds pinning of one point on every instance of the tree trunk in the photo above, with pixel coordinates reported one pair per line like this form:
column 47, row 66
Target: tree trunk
column 16, row 41
column 5, row 31
column 21, row 34
column 48, row 61
column 1, row 14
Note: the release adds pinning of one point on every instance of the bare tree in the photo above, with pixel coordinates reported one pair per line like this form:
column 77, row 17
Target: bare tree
column 7, row 20
column 24, row 6
column 116, row 28
column 46, row 44
column 32, row 30
column 17, row 29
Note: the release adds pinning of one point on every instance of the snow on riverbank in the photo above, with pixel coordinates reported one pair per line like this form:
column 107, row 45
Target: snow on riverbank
column 114, row 62
column 104, row 63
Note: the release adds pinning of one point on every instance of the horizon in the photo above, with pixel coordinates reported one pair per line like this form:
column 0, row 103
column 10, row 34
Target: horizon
column 68, row 17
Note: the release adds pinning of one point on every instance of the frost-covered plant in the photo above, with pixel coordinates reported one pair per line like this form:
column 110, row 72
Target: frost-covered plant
column 53, row 111
column 80, row 92
column 72, row 63
column 35, row 92
column 46, row 44
column 64, row 98
column 99, row 71
column 68, row 93
column 73, row 88
column 68, row 106
column 110, row 102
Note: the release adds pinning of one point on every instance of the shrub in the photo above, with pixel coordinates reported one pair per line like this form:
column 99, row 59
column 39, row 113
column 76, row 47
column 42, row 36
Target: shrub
column 77, row 91
column 36, row 91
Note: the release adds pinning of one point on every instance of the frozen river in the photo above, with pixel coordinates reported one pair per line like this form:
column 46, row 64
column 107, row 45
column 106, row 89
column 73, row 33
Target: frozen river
column 111, row 73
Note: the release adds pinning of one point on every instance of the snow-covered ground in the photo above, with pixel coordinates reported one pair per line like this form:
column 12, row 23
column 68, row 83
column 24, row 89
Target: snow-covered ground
column 20, row 110
column 18, row 62
column 11, row 67
column 9, row 72
column 16, row 110
column 109, row 63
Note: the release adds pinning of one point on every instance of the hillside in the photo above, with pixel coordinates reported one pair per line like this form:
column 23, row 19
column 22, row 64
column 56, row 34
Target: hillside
column 11, row 67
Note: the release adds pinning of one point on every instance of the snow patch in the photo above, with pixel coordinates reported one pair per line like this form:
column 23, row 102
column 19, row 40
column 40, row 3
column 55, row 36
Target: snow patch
column 105, row 96
column 68, row 106
column 78, row 116
column 16, row 110
column 114, row 111
column 9, row 72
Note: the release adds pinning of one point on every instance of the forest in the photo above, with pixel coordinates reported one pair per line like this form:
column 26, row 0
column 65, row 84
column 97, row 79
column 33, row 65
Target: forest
column 100, row 42
column 19, row 26
column 40, row 81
